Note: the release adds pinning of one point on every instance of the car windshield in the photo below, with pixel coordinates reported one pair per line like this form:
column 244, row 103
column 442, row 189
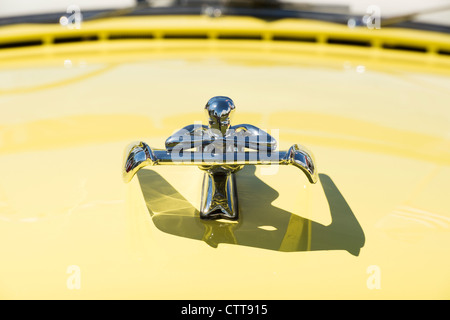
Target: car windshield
column 428, row 15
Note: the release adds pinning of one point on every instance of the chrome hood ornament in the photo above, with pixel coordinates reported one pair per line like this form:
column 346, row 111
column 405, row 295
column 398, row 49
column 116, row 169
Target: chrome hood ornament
column 220, row 150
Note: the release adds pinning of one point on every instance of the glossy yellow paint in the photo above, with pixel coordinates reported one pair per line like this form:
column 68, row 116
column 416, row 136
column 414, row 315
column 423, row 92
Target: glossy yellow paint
column 377, row 121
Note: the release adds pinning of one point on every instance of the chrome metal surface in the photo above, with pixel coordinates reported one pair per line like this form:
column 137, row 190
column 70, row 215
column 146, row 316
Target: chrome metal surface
column 220, row 150
column 219, row 194
column 219, row 110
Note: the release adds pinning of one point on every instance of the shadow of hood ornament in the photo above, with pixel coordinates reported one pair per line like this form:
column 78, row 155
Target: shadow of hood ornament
column 220, row 150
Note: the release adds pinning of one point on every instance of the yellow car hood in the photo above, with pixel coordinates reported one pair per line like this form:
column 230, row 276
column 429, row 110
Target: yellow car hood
column 376, row 225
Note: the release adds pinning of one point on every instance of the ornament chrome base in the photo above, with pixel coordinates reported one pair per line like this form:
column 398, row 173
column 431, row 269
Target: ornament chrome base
column 219, row 194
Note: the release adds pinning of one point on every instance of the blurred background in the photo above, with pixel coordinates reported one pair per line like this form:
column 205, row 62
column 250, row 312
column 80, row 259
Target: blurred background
column 431, row 11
